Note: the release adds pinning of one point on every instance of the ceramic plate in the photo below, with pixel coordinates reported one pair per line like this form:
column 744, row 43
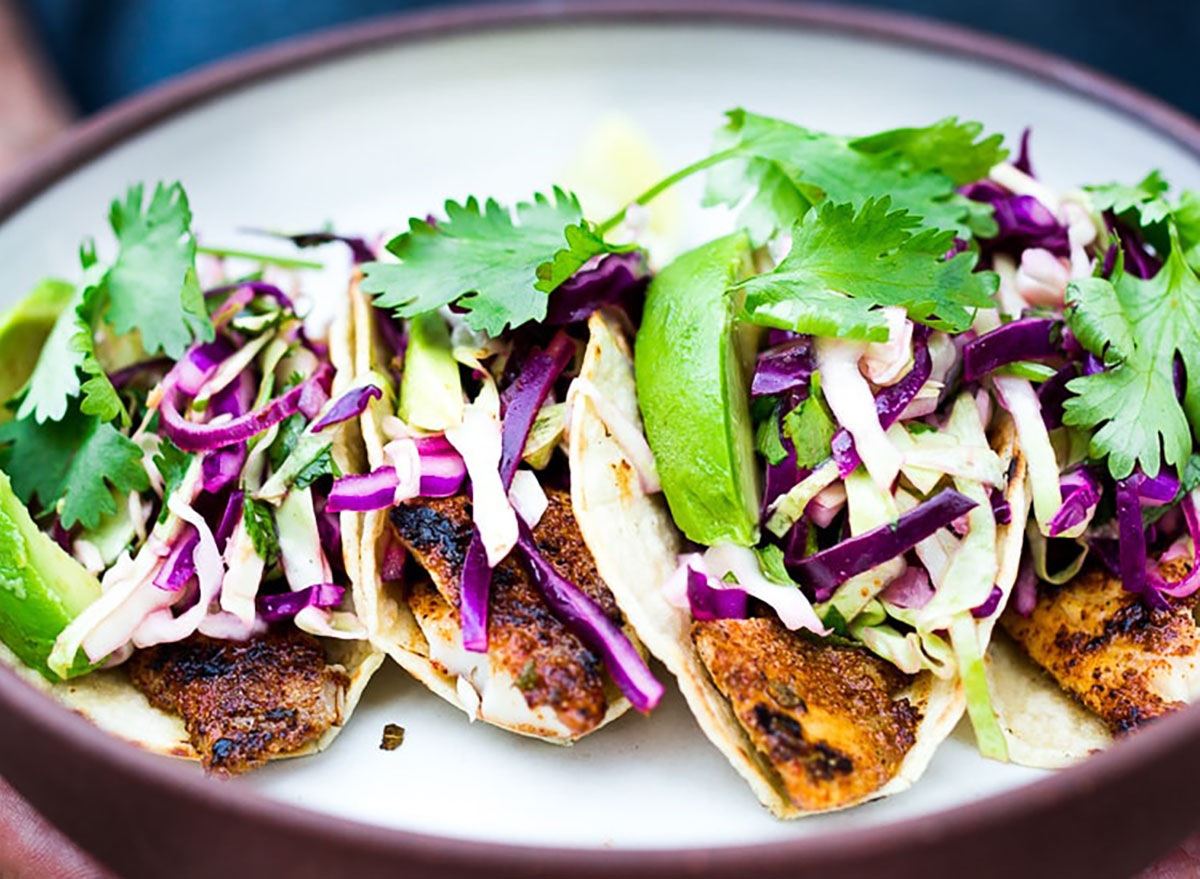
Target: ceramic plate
column 370, row 138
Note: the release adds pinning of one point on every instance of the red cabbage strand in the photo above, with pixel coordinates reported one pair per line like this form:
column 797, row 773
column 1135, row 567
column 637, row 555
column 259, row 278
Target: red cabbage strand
column 586, row 619
column 1030, row 338
column 824, row 571
column 715, row 603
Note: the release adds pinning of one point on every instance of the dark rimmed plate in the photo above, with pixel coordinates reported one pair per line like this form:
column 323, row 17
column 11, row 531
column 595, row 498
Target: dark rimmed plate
column 375, row 122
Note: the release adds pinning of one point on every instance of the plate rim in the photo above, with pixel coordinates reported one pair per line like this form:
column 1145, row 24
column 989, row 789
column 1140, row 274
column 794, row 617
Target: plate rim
column 91, row 138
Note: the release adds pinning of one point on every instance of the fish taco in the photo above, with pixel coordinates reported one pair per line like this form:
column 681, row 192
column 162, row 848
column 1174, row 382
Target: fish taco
column 477, row 578
column 1093, row 354
column 172, row 569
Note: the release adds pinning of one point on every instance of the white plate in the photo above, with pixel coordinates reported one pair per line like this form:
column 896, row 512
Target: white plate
column 369, row 140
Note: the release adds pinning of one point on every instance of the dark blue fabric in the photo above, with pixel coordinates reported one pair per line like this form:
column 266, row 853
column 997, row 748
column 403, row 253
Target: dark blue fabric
column 106, row 49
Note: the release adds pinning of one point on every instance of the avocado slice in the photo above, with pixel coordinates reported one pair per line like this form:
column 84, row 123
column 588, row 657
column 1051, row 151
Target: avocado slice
column 430, row 389
column 42, row 589
column 23, row 331
column 692, row 390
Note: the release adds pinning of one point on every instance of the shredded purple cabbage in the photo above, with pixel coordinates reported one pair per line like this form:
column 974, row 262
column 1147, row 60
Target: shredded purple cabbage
column 1080, row 495
column 783, row 368
column 1138, row 261
column 911, row 589
column 230, row 518
column 1030, row 338
column 329, row 530
column 361, row 493
column 714, row 603
column 1157, row 490
column 199, row 364
column 617, row 279
column 1022, row 163
column 1052, row 395
column 193, row 437
column 587, row 620
column 1024, row 594
column 350, row 405
column 989, row 605
column 1189, row 582
column 1132, row 547
column 1001, row 508
column 180, row 564
column 273, row 608
column 1023, row 221
column 824, row 571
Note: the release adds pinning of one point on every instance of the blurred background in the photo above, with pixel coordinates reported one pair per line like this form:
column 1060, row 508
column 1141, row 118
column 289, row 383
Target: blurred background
column 64, row 59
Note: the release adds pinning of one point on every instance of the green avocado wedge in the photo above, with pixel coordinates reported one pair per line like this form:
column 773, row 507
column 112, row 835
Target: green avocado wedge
column 430, row 388
column 23, row 331
column 692, row 392
column 42, row 589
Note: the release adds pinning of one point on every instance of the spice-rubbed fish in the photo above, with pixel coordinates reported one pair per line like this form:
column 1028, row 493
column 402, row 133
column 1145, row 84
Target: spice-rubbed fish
column 244, row 702
column 828, row 718
column 550, row 666
column 1125, row 661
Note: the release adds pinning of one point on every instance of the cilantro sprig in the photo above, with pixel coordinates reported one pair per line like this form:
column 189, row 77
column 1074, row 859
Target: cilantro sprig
column 63, row 451
column 1139, row 327
column 499, row 268
column 778, row 170
column 844, row 264
column 73, row 464
column 152, row 286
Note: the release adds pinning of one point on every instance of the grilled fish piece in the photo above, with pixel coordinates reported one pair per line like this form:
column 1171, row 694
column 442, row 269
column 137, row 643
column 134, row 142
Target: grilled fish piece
column 830, row 720
column 244, row 702
column 528, row 644
column 1127, row 663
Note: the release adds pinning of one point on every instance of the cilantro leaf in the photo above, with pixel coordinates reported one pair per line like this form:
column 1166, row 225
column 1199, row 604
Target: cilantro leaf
column 99, row 396
column 54, row 379
column 498, row 269
column 75, row 464
column 152, row 286
column 172, row 463
column 260, row 525
column 322, row 465
column 810, row 427
column 780, row 169
column 1147, row 198
column 767, row 441
column 290, row 431
column 770, row 561
column 1187, row 221
column 843, row 265
column 1138, row 327
column 948, row 146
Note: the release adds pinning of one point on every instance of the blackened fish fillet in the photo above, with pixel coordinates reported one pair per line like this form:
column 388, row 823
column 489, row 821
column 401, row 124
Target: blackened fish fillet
column 244, row 702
